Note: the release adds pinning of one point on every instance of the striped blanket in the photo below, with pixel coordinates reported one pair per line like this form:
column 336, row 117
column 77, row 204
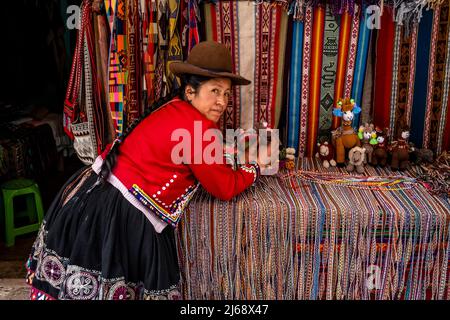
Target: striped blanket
column 318, row 234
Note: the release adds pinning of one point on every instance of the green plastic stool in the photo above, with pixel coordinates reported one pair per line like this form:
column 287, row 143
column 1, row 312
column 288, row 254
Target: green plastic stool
column 21, row 187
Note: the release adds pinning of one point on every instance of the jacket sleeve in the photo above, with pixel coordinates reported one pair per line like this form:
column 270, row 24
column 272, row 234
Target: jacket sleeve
column 222, row 181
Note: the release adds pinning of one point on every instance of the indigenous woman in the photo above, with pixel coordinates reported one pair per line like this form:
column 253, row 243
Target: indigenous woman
column 109, row 234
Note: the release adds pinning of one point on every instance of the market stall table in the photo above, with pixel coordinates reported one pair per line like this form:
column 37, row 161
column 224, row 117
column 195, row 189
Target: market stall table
column 299, row 235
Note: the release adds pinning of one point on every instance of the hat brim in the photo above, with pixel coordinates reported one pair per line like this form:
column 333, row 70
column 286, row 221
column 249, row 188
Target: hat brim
column 178, row 68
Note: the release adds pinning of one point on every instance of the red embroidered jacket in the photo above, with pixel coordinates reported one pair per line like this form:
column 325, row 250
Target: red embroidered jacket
column 147, row 175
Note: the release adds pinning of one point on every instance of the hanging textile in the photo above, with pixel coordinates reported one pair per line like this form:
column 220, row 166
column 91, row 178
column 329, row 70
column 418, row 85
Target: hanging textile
column 270, row 34
column 352, row 50
column 360, row 66
column 295, row 87
column 305, row 87
column 316, row 67
column 83, row 113
column 444, row 123
column 421, row 79
column 344, row 40
column 256, row 35
column 110, row 8
column 438, row 69
column 101, row 42
column 446, row 136
column 328, row 72
column 174, row 49
column 132, row 105
column 71, row 101
column 193, row 15
column 117, row 65
column 150, row 51
column 318, row 234
column 394, row 81
column 368, row 86
column 383, row 69
column 161, row 80
column 402, row 100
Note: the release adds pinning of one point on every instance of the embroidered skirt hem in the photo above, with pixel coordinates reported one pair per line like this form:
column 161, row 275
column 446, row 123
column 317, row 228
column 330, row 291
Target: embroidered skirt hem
column 94, row 244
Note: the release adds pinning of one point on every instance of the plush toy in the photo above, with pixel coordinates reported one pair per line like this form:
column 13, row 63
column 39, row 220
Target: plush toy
column 400, row 151
column 368, row 138
column 380, row 154
column 287, row 158
column 325, row 153
column 419, row 156
column 345, row 137
column 356, row 157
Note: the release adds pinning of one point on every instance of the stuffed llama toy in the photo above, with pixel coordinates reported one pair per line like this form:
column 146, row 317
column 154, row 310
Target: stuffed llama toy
column 356, row 157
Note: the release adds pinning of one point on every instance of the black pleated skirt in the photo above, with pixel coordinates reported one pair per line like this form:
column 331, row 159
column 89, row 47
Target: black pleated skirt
column 94, row 244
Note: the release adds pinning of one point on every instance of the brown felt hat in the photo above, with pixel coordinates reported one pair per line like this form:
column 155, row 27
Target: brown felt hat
column 209, row 59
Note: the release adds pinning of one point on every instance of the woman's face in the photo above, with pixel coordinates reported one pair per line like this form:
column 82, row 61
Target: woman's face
column 211, row 97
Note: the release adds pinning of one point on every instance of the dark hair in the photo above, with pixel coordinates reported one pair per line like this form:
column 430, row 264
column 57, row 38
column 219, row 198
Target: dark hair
column 192, row 80
column 110, row 160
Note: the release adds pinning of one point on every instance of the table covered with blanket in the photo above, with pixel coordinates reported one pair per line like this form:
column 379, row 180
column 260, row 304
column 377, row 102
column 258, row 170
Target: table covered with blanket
column 316, row 233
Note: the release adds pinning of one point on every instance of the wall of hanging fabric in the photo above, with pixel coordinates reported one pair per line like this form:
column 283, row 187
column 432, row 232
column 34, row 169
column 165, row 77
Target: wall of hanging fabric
column 120, row 65
column 302, row 56
column 392, row 95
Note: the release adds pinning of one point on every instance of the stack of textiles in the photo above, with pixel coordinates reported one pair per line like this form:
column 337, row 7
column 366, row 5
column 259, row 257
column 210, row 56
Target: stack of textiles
column 26, row 151
column 316, row 233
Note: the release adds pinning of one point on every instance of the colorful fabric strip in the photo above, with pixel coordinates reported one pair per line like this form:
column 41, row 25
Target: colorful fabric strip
column 403, row 89
column 352, row 51
column 117, row 66
column 328, row 73
column 435, row 101
column 421, row 79
column 360, row 66
column 305, row 86
column 344, row 40
column 295, row 85
column 394, row 81
column 316, row 66
column 133, row 82
column 442, row 134
column 412, row 72
column 446, row 137
column 383, row 69
column 193, row 14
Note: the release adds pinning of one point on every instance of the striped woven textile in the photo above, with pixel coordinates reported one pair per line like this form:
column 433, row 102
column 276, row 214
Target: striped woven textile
column 383, row 69
column 352, row 50
column 402, row 90
column 435, row 100
column 360, row 66
column 421, row 79
column 338, row 54
column 412, row 77
column 302, row 235
column 315, row 72
column 344, row 42
column 306, row 67
column 446, row 137
column 256, row 35
column 117, row 66
column 444, row 122
column 295, row 87
column 328, row 72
